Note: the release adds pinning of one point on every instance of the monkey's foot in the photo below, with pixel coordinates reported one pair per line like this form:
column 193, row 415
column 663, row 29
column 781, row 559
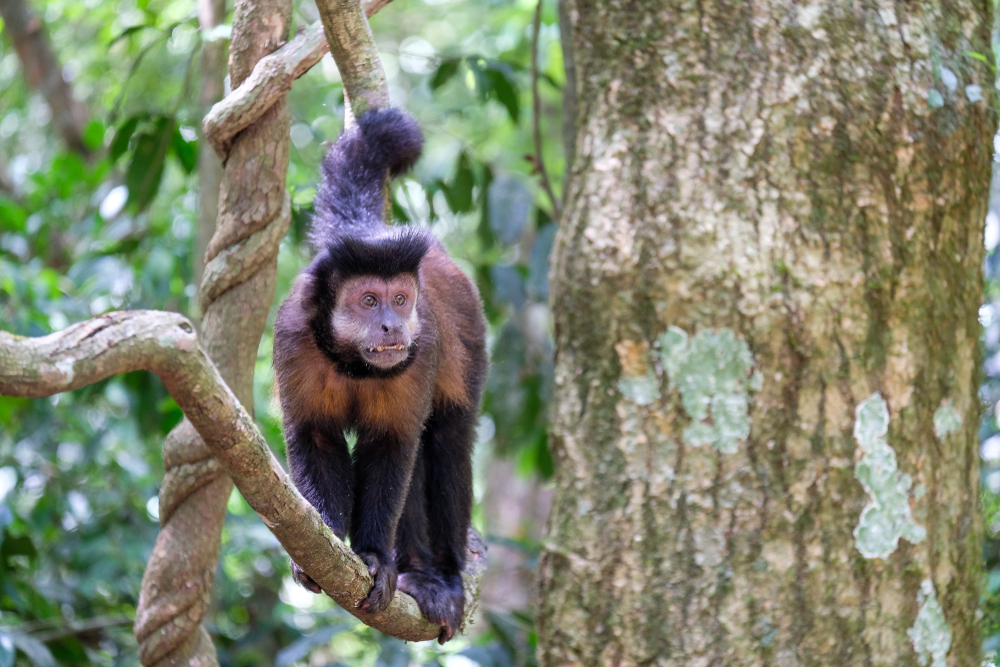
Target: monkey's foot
column 304, row 579
column 441, row 599
column 384, row 571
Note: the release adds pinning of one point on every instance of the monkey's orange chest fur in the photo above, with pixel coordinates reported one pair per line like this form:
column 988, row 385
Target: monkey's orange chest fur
column 386, row 404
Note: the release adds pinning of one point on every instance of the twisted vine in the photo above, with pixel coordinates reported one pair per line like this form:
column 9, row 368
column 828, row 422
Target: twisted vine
column 249, row 129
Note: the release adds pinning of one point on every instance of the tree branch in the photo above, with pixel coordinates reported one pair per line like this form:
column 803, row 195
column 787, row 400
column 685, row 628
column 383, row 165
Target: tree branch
column 353, row 48
column 166, row 344
column 270, row 80
column 536, row 115
column 43, row 72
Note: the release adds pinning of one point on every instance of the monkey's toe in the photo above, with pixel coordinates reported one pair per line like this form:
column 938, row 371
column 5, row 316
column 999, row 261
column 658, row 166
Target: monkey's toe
column 440, row 600
column 384, row 572
column 304, row 579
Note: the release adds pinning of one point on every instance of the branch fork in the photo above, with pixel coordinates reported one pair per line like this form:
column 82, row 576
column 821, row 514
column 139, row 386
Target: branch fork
column 166, row 344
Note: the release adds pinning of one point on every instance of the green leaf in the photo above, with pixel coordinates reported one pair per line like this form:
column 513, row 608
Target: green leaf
column 12, row 216
column 504, row 92
column 93, row 134
column 37, row 652
column 123, row 134
column 186, row 151
column 484, row 230
column 459, row 192
column 10, row 405
column 445, row 71
column 484, row 84
column 145, row 170
column 129, row 31
column 66, row 172
column 982, row 58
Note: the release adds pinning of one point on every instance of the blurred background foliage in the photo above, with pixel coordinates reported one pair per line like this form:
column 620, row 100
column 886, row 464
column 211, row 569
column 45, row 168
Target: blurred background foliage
column 112, row 227
column 85, row 232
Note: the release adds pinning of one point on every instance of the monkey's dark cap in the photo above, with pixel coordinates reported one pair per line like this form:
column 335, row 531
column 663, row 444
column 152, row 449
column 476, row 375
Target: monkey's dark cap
column 384, row 255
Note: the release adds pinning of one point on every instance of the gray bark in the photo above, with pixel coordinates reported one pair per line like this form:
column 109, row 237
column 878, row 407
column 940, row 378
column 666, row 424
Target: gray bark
column 799, row 191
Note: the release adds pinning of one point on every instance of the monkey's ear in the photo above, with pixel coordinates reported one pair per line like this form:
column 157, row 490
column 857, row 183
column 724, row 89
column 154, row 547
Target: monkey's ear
column 304, row 293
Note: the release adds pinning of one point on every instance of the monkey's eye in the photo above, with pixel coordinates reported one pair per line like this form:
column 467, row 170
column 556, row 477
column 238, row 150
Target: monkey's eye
column 369, row 301
column 400, row 300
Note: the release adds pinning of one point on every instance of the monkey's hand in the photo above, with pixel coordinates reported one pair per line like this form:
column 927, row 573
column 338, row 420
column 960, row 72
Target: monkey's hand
column 304, row 579
column 441, row 599
column 383, row 569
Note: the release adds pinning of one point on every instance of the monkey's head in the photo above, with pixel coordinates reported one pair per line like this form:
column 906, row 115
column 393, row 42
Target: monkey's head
column 365, row 295
column 378, row 317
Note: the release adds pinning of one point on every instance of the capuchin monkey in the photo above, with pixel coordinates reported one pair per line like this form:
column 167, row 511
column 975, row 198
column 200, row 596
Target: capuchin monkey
column 383, row 336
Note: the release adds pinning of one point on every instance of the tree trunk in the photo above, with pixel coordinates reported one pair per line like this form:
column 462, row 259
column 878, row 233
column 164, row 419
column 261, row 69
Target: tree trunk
column 765, row 291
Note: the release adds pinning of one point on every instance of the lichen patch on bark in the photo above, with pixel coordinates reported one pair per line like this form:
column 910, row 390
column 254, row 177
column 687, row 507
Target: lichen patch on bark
column 886, row 517
column 712, row 373
column 947, row 420
column 930, row 634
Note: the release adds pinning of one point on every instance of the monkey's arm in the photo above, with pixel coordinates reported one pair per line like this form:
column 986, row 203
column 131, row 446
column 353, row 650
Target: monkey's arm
column 320, row 465
column 383, row 465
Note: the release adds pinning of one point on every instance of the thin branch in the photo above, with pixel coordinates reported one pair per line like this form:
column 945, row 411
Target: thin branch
column 536, row 115
column 270, row 80
column 47, row 631
column 6, row 185
column 43, row 72
column 352, row 45
column 166, row 344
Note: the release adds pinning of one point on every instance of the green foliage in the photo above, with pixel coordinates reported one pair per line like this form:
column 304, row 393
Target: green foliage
column 79, row 473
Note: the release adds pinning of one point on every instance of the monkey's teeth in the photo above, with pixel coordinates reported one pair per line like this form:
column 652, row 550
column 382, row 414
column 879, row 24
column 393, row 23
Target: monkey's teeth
column 383, row 348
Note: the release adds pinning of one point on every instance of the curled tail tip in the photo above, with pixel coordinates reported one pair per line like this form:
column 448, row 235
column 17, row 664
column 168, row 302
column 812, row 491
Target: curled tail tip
column 355, row 168
column 394, row 136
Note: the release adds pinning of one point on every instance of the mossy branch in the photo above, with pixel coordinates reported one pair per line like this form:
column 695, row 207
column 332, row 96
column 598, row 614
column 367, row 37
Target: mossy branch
column 166, row 344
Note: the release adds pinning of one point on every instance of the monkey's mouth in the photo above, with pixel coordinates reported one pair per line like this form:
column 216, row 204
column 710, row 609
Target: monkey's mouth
column 386, row 356
column 384, row 348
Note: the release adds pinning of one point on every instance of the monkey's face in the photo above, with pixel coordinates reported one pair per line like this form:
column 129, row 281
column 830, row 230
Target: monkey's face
column 378, row 318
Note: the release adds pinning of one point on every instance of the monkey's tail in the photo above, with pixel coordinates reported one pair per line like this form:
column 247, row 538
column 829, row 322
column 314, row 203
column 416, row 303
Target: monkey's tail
column 350, row 198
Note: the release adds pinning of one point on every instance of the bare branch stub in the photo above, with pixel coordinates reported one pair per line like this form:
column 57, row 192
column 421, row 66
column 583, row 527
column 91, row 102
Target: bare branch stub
column 166, row 344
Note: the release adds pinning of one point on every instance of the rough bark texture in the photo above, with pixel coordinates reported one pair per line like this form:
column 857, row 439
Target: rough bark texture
column 799, row 189
column 210, row 90
column 177, row 584
column 166, row 344
column 43, row 72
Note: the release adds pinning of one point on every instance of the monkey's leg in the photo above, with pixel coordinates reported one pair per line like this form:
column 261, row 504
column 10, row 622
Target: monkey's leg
column 320, row 465
column 446, row 445
column 412, row 551
column 383, row 465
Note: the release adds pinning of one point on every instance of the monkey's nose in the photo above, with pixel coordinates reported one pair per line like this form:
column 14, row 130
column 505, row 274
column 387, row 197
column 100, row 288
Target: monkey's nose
column 385, row 328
